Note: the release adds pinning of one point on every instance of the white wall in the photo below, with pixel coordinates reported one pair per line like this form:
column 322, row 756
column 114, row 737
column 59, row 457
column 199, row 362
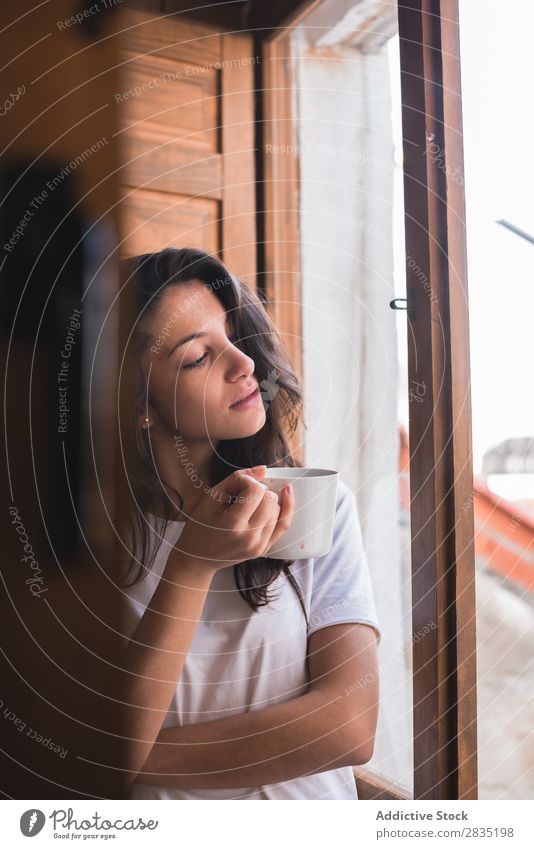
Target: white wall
column 350, row 338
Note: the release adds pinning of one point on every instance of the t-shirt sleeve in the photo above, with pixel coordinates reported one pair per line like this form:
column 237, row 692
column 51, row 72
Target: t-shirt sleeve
column 341, row 586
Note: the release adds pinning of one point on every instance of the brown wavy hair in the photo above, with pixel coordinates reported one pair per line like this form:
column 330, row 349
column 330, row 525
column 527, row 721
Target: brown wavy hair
column 146, row 278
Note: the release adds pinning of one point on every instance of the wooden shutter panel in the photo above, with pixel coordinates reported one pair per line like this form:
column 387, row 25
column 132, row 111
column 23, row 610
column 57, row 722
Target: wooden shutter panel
column 187, row 134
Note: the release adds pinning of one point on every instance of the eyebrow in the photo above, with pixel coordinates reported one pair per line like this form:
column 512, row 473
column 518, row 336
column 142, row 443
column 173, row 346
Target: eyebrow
column 186, row 339
column 198, row 335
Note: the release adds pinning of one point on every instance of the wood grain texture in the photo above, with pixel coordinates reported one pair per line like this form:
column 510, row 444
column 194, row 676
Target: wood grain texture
column 168, row 220
column 282, row 281
column 370, row 786
column 441, row 479
column 238, row 156
column 187, row 139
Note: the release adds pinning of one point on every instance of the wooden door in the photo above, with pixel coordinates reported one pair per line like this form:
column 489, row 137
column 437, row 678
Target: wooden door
column 187, row 137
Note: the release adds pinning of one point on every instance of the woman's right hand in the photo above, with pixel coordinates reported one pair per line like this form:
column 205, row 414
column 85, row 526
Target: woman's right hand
column 238, row 519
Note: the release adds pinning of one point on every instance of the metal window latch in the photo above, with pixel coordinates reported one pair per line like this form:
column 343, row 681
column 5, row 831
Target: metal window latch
column 394, row 304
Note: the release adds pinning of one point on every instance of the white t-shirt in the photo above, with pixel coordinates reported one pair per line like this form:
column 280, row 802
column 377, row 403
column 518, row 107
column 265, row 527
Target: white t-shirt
column 241, row 660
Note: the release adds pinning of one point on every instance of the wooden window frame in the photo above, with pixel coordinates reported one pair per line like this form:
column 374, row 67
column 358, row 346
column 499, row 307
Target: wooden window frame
column 441, row 473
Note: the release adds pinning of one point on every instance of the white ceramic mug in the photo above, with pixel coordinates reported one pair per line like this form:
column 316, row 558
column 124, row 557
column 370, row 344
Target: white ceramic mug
column 312, row 525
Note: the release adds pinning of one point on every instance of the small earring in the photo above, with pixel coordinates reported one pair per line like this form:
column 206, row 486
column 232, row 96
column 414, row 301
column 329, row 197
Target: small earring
column 146, row 420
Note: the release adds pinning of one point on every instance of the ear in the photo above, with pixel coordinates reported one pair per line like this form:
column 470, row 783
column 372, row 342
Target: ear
column 146, row 417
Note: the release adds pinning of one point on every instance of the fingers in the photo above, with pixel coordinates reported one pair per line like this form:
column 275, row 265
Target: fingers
column 285, row 516
column 245, row 495
column 225, row 491
column 251, row 503
column 231, row 486
column 266, row 513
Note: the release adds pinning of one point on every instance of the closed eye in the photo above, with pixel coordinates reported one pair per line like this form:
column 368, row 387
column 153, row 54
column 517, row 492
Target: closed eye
column 202, row 360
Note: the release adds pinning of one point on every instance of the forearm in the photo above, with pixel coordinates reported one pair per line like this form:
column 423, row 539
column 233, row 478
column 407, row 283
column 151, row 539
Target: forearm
column 303, row 736
column 153, row 661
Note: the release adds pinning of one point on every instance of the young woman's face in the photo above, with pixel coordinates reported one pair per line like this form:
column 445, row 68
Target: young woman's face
column 194, row 384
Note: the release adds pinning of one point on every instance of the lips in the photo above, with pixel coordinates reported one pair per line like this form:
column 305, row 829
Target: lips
column 245, row 395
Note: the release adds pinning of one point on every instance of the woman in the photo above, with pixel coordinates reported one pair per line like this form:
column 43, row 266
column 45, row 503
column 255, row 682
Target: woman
column 226, row 627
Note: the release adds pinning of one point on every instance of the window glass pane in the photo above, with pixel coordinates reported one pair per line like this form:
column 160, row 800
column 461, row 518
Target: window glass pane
column 347, row 100
column 499, row 177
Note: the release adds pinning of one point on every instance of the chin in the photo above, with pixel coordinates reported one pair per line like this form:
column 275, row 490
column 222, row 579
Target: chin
column 247, row 427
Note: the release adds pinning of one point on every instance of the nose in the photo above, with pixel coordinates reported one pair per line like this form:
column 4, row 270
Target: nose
column 241, row 363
